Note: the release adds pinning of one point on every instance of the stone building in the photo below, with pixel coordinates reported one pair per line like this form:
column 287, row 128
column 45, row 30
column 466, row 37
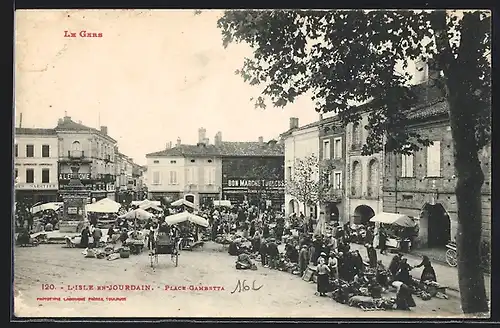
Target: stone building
column 422, row 185
column 364, row 174
column 332, row 154
column 300, row 142
column 35, row 165
column 94, row 150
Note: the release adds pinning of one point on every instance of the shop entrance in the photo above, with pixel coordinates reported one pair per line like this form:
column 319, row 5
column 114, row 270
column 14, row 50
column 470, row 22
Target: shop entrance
column 332, row 212
column 438, row 225
column 363, row 214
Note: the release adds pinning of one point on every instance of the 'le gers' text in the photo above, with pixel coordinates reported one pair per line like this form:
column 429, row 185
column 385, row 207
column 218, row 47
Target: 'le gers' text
column 82, row 34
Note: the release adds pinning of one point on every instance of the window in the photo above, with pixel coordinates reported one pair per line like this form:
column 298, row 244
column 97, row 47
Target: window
column 356, row 134
column 337, row 180
column 434, row 159
column 407, row 166
column 16, row 173
column 45, row 151
column 192, row 161
column 373, row 178
column 45, row 175
column 156, row 178
column 356, row 184
column 75, row 146
column 157, row 162
column 173, row 162
column 289, row 173
column 209, row 178
column 30, row 151
column 337, row 148
column 30, row 176
column 173, row 177
column 17, row 150
column 326, row 149
column 210, row 161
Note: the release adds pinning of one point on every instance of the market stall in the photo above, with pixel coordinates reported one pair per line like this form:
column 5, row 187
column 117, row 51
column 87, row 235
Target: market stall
column 105, row 205
column 398, row 227
column 222, row 203
column 137, row 214
column 47, row 206
column 183, row 202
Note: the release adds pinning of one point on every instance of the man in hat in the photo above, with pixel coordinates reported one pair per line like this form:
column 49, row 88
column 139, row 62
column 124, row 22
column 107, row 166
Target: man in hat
column 273, row 252
column 263, row 252
column 303, row 259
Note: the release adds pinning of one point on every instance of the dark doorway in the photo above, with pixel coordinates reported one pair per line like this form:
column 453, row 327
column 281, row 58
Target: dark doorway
column 438, row 225
column 189, row 198
column 363, row 214
column 332, row 212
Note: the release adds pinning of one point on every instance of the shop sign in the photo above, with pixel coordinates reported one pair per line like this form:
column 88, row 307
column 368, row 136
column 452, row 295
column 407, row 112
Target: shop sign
column 252, row 183
column 69, row 176
column 37, row 186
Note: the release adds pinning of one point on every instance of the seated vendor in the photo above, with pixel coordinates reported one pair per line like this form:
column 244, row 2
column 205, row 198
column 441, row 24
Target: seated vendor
column 292, row 253
column 244, row 262
column 360, row 279
column 234, row 248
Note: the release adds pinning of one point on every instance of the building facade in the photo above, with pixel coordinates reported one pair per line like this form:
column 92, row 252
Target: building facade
column 364, row 174
column 253, row 172
column 192, row 172
column 422, row 185
column 36, row 165
column 94, row 150
column 299, row 142
column 332, row 154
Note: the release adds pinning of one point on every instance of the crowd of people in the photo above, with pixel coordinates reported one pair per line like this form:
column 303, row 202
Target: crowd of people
column 258, row 236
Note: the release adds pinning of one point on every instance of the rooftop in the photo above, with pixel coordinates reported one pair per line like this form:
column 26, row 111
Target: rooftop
column 66, row 124
column 36, row 131
column 224, row 149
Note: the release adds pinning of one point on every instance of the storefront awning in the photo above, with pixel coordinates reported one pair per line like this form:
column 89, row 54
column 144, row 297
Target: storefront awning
column 394, row 219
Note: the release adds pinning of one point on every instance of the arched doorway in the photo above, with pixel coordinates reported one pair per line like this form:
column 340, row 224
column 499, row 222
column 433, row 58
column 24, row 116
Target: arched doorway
column 438, row 225
column 332, row 212
column 363, row 214
column 189, row 198
column 292, row 207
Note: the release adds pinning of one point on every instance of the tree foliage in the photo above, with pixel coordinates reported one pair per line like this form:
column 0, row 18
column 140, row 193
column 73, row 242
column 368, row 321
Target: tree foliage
column 309, row 183
column 341, row 57
column 347, row 57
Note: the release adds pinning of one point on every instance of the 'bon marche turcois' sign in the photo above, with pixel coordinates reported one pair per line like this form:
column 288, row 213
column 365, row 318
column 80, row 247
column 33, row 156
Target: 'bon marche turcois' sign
column 254, row 183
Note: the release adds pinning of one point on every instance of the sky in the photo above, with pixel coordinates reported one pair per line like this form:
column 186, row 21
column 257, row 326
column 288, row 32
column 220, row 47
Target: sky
column 152, row 77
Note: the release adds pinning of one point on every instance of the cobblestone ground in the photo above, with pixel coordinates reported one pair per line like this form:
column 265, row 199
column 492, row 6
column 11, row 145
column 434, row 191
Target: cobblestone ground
column 281, row 294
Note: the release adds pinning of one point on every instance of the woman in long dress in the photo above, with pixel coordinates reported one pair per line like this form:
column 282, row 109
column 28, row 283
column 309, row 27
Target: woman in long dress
column 428, row 274
column 323, row 273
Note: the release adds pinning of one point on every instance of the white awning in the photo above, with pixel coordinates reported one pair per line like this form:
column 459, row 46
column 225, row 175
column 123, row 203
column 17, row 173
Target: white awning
column 394, row 218
column 218, row 203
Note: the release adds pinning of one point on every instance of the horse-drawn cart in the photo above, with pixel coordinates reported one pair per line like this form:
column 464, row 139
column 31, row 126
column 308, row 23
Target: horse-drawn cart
column 165, row 245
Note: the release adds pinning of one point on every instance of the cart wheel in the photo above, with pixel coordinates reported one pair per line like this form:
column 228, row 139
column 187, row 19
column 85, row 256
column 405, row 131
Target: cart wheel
column 451, row 257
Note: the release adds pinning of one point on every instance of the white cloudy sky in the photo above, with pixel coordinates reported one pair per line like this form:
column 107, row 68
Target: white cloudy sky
column 153, row 76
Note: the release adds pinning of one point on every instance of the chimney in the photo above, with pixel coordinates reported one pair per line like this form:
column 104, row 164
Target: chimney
column 202, row 134
column 261, row 140
column 104, row 129
column 218, row 139
column 168, row 145
column 178, row 142
column 294, row 123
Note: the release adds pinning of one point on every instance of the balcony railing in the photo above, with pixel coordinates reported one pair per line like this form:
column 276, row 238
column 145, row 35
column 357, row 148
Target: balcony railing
column 76, row 154
column 336, row 195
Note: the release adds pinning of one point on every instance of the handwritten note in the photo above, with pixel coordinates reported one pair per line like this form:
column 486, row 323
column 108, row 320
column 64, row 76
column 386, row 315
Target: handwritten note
column 241, row 286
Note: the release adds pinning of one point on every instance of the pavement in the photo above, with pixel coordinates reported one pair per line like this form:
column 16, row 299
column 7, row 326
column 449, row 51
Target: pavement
column 49, row 280
column 446, row 275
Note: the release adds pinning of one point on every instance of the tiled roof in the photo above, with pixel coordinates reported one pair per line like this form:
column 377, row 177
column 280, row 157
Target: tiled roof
column 36, row 131
column 226, row 148
column 69, row 125
column 310, row 125
column 428, row 110
column 250, row 148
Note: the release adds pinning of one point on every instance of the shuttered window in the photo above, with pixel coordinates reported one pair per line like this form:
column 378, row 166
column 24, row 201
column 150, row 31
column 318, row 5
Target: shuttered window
column 434, row 159
column 407, row 166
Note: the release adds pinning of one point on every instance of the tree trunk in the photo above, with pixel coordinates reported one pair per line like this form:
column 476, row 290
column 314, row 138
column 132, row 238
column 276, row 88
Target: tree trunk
column 470, row 178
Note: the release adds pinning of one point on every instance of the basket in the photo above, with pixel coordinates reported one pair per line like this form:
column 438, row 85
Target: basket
column 125, row 253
